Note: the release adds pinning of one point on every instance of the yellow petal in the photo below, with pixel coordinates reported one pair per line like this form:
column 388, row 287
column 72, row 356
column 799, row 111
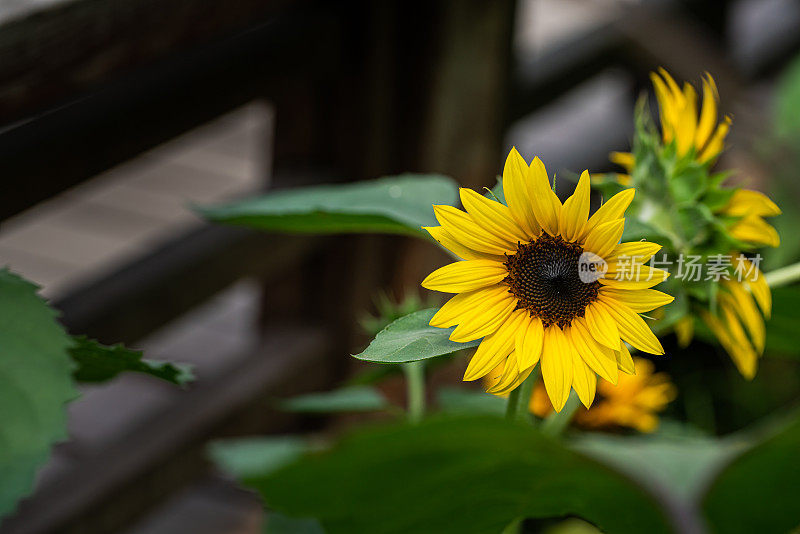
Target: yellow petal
column 463, row 276
column 635, row 251
column 469, row 233
column 546, row 206
column 598, row 357
column 744, row 356
column 575, row 212
column 483, row 321
column 611, row 210
column 444, row 238
column 529, row 342
column 632, row 328
column 465, row 305
column 716, row 143
column 639, row 300
column 557, row 366
column 494, row 348
column 509, row 376
column 492, row 216
column 744, row 362
column 748, row 202
column 708, row 113
column 584, row 381
column 755, row 230
column 666, row 108
column 604, row 238
column 520, row 378
column 744, row 305
column 684, row 331
column 601, row 326
column 687, row 121
column 624, row 359
column 518, row 189
column 623, row 159
column 634, row 277
column 757, row 284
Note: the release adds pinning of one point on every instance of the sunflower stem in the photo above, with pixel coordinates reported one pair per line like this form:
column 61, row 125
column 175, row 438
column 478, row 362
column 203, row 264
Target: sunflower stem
column 415, row 383
column 557, row 422
column 783, row 276
column 513, row 404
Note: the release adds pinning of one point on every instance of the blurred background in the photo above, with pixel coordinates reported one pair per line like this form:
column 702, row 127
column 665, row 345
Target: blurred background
column 116, row 116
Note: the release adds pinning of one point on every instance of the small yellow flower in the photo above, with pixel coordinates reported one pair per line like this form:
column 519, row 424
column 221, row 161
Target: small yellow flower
column 519, row 286
column 633, row 403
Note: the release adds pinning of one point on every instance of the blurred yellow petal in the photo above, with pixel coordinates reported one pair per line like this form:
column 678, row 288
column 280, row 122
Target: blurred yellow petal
column 708, row 113
column 756, row 231
column 747, row 202
column 744, row 305
column 716, row 143
column 623, row 159
column 684, row 331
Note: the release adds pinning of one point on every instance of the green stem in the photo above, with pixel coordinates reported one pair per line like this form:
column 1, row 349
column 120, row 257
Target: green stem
column 513, row 404
column 415, row 382
column 783, row 276
column 557, row 422
column 519, row 400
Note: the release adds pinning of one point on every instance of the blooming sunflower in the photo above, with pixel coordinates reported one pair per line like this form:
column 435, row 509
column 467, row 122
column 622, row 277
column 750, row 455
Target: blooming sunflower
column 519, row 286
column 698, row 135
column 634, row 403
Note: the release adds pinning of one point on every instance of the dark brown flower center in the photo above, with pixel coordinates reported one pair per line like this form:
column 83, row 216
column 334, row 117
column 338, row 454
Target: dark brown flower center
column 543, row 276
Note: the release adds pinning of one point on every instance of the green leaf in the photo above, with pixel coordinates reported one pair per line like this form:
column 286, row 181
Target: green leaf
column 35, row 384
column 99, row 363
column 281, row 524
column 787, row 101
column 395, row 205
column 410, row 339
column 758, row 491
column 782, row 326
column 459, row 475
column 680, row 465
column 351, row 399
column 469, row 401
column 689, row 184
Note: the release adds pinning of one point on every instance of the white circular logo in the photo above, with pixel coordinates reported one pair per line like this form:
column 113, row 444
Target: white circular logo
column 591, row 267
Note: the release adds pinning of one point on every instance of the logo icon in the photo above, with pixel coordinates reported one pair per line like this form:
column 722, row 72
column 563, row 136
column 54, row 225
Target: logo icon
column 591, row 267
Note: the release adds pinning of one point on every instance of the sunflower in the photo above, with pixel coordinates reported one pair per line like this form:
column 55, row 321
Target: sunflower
column 519, row 286
column 634, row 403
column 699, row 134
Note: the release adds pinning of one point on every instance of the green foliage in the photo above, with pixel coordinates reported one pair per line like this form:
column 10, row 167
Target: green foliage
column 782, row 326
column 350, row 399
column 394, row 205
column 280, row 524
column 100, row 363
column 787, row 102
column 390, row 309
column 35, row 384
column 758, row 491
column 410, row 339
column 457, row 475
column 469, row 401
column 254, row 457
